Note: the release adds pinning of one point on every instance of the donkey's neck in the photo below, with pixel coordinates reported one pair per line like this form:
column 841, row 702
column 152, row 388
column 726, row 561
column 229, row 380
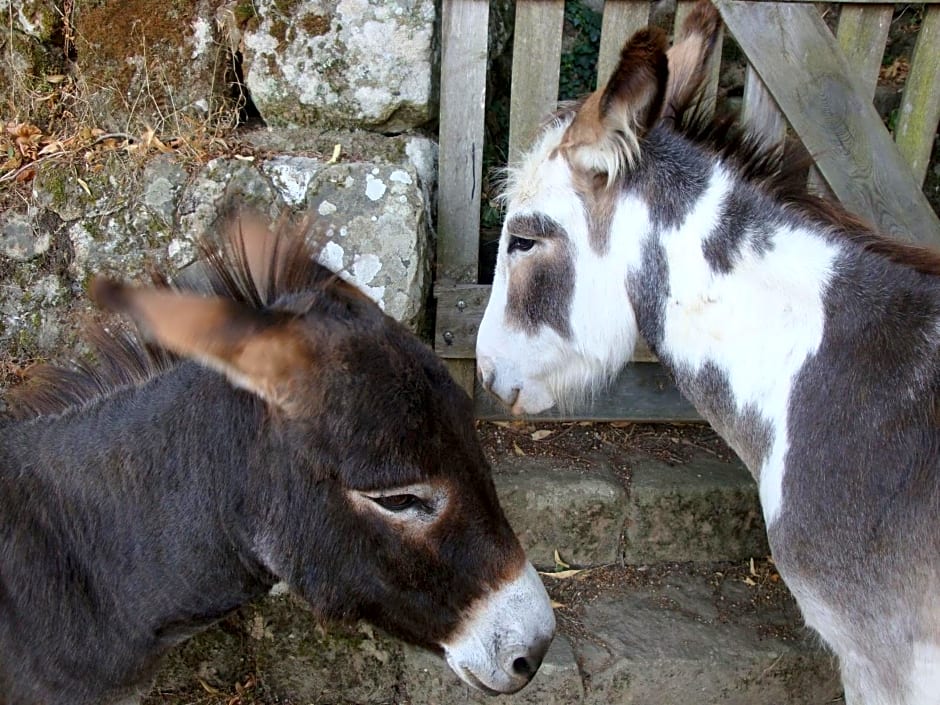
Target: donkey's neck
column 730, row 295
column 129, row 515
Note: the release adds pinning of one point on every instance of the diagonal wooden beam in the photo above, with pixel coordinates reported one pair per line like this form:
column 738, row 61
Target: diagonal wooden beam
column 802, row 66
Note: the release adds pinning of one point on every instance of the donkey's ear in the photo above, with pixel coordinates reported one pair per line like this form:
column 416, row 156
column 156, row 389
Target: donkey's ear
column 256, row 350
column 689, row 56
column 634, row 93
column 607, row 128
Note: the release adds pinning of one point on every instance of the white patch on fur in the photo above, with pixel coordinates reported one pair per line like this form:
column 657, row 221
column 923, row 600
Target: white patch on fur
column 924, row 681
column 545, row 368
column 758, row 324
column 515, row 621
column 612, row 155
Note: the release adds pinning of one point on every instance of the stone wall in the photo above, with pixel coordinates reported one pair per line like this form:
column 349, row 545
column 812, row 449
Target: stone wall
column 129, row 131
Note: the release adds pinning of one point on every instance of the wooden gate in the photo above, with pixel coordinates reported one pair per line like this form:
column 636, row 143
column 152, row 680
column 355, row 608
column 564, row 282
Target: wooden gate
column 798, row 74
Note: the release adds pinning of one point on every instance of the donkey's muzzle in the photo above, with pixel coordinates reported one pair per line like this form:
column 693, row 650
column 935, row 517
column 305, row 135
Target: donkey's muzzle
column 501, row 645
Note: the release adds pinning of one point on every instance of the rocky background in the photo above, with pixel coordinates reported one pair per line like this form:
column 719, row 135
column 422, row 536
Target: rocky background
column 120, row 146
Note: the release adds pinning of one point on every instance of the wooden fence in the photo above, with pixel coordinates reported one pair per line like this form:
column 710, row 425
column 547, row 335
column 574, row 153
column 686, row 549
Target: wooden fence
column 798, row 74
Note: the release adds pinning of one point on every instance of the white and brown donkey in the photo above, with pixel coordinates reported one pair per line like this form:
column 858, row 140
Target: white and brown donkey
column 809, row 342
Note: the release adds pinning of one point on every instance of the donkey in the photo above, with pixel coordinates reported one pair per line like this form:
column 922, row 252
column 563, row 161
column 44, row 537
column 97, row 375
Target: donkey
column 809, row 342
column 293, row 432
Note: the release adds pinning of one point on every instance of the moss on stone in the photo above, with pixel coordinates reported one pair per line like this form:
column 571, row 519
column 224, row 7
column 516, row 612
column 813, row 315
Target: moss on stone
column 315, row 25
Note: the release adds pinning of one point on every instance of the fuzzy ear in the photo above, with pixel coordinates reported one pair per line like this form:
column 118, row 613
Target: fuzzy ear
column 604, row 135
column 256, row 350
column 689, row 57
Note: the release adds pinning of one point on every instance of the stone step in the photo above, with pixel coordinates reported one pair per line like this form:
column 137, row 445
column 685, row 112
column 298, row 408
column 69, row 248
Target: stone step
column 603, row 503
column 703, row 633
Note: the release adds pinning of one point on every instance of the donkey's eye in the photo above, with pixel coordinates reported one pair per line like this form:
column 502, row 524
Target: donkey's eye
column 398, row 502
column 520, row 244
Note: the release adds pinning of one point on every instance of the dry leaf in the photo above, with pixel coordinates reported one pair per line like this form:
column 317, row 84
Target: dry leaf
column 558, row 562
column 516, row 449
column 556, row 605
column 541, row 434
column 81, row 182
column 13, row 161
column 336, row 152
column 208, row 688
column 749, row 581
column 52, row 148
column 753, row 570
column 54, row 78
column 563, row 574
column 26, row 137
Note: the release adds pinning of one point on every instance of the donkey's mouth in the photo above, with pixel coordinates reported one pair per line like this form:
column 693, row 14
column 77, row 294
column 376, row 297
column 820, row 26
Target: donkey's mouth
column 467, row 676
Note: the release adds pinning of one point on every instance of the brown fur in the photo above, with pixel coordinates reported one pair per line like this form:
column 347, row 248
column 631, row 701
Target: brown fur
column 603, row 135
column 689, row 56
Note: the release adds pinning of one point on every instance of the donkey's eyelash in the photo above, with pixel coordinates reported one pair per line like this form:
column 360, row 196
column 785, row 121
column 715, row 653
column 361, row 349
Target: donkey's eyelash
column 400, row 502
column 520, row 244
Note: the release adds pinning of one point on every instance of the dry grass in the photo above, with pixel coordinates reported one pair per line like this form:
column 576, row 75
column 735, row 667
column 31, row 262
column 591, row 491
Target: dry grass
column 55, row 116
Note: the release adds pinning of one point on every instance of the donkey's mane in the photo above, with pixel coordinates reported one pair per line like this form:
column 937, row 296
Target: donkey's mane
column 121, row 358
column 780, row 171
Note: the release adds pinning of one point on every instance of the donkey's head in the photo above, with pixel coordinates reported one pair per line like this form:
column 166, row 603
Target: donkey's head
column 559, row 320
column 366, row 489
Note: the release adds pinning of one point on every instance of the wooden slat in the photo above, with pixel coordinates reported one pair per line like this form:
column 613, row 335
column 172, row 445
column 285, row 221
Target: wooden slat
column 536, row 62
column 760, row 111
column 460, row 159
column 920, row 104
column 798, row 59
column 643, row 392
column 621, row 19
column 460, row 156
column 862, row 35
column 459, row 313
column 710, row 89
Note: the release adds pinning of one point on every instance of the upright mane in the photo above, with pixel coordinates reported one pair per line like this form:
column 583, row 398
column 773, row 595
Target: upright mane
column 121, row 358
column 780, row 170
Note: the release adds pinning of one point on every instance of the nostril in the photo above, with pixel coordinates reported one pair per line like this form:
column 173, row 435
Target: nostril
column 513, row 396
column 486, row 371
column 522, row 667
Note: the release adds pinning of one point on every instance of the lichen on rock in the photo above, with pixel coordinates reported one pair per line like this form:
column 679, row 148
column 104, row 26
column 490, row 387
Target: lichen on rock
column 332, row 63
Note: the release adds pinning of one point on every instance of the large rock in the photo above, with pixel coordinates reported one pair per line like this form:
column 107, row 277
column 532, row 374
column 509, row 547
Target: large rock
column 686, row 640
column 351, row 63
column 126, row 219
column 702, row 510
column 165, row 67
column 557, row 505
column 299, row 659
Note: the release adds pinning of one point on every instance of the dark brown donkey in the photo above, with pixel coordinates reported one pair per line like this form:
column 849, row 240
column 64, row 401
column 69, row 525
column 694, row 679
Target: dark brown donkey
column 301, row 435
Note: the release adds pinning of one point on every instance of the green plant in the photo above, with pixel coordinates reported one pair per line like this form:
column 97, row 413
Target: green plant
column 579, row 65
